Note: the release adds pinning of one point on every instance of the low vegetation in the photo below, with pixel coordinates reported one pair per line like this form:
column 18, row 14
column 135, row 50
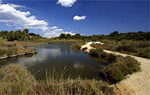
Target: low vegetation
column 11, row 49
column 76, row 46
column 136, row 48
column 15, row 79
column 16, row 48
column 118, row 66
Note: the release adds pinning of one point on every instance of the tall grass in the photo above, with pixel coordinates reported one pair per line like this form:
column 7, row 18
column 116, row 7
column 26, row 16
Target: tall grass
column 15, row 79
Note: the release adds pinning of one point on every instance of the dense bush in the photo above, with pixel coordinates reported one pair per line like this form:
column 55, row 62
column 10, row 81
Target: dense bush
column 122, row 66
column 76, row 46
column 96, row 52
column 118, row 66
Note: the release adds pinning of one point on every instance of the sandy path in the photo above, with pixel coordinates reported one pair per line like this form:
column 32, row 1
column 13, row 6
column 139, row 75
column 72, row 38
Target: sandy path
column 138, row 82
column 135, row 84
column 87, row 45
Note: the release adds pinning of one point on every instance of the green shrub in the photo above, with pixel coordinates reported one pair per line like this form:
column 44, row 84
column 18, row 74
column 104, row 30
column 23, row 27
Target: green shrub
column 110, row 58
column 126, row 48
column 96, row 52
column 76, row 46
column 122, row 66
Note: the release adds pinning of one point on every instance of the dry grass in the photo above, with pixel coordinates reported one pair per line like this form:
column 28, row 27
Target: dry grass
column 15, row 79
column 10, row 49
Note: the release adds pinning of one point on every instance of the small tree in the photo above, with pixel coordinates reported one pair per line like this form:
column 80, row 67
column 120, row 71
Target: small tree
column 115, row 33
column 68, row 36
column 25, row 31
column 62, row 36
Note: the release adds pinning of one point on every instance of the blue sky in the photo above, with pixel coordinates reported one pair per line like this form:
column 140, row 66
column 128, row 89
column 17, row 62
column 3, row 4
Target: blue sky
column 50, row 18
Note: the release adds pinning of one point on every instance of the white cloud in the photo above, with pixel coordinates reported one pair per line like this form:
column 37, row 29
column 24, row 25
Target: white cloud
column 56, row 32
column 69, row 33
column 19, row 19
column 11, row 16
column 79, row 17
column 66, row 3
column 15, row 5
column 54, row 27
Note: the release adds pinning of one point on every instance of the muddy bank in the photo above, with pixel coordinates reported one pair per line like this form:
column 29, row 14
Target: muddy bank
column 27, row 51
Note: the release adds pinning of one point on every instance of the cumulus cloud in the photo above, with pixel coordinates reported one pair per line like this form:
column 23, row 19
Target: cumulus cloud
column 66, row 3
column 20, row 19
column 11, row 16
column 79, row 17
column 56, row 31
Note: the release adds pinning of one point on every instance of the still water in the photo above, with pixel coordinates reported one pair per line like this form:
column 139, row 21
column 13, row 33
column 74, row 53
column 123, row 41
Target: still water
column 59, row 56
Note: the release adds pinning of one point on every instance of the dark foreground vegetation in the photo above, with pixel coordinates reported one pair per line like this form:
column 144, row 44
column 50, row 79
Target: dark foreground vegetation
column 15, row 79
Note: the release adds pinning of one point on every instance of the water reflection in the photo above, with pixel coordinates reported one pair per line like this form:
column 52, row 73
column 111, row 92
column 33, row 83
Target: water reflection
column 78, row 65
column 59, row 55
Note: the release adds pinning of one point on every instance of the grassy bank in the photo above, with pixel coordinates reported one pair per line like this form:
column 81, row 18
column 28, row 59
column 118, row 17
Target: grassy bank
column 15, row 79
column 15, row 48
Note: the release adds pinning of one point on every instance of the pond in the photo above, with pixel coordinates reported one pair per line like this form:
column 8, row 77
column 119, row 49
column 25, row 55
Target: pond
column 59, row 56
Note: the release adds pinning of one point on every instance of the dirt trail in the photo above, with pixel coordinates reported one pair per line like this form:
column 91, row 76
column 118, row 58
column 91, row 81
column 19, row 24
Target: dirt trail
column 137, row 83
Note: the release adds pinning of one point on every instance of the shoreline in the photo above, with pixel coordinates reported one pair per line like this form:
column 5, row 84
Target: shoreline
column 21, row 48
column 16, row 55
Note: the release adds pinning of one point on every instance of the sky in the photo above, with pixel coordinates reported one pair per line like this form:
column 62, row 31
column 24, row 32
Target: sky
column 50, row 18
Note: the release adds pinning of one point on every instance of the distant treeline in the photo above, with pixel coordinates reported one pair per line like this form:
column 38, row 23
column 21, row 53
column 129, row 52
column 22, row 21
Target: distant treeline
column 19, row 35
column 112, row 36
column 25, row 35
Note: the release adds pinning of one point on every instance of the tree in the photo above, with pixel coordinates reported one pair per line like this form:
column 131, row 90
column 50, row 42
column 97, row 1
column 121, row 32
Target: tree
column 68, row 36
column 115, row 33
column 62, row 36
column 77, row 36
column 25, row 31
